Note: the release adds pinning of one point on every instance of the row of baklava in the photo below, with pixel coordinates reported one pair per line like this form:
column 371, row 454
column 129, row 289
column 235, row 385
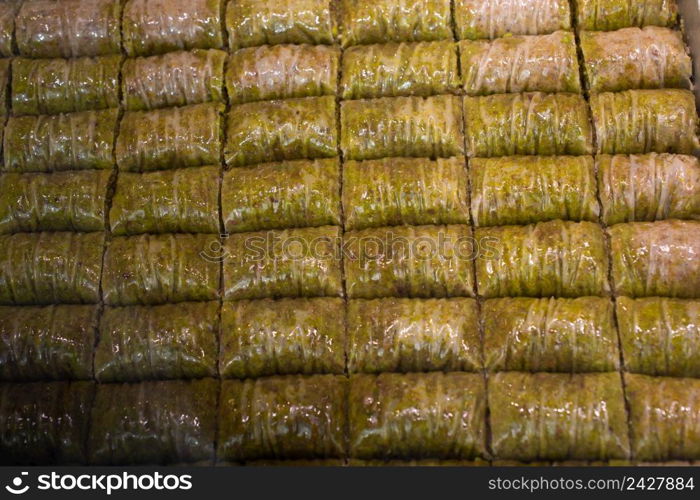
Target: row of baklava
column 659, row 336
column 555, row 258
column 636, row 121
column 74, row 28
column 374, row 193
column 532, row 417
